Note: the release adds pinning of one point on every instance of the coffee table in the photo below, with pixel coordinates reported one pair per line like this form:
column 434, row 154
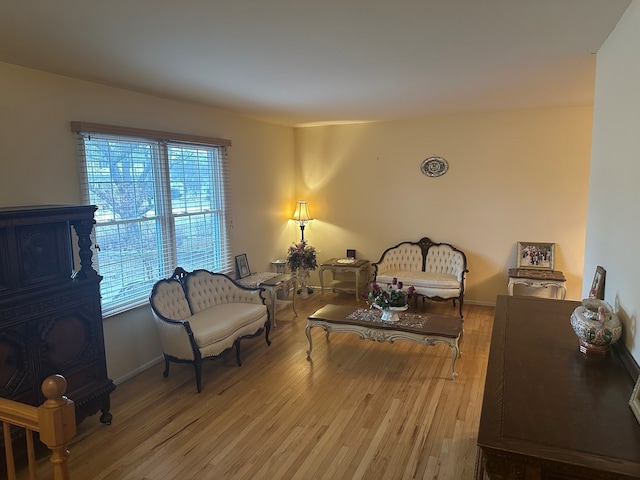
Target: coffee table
column 425, row 329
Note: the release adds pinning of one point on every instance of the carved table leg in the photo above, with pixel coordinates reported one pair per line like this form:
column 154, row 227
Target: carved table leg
column 307, row 332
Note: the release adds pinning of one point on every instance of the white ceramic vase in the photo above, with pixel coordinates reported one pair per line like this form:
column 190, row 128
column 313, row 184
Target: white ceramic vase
column 390, row 314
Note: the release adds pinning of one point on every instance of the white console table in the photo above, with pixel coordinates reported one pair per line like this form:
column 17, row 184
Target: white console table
column 538, row 279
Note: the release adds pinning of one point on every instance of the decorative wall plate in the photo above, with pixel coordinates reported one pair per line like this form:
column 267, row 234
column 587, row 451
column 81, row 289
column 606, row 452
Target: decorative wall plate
column 434, row 166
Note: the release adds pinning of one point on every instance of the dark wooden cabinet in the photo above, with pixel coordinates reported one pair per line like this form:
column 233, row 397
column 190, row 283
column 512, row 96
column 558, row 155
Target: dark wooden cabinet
column 50, row 313
column 550, row 412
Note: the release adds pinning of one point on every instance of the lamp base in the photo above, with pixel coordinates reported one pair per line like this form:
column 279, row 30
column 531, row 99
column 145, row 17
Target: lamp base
column 302, row 232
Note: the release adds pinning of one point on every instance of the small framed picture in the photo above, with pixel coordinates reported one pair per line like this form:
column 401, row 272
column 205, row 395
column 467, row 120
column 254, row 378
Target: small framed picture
column 597, row 286
column 536, row 255
column 634, row 401
column 351, row 253
column 242, row 266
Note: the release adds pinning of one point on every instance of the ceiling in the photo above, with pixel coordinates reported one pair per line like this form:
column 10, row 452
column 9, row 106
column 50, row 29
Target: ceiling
column 301, row 62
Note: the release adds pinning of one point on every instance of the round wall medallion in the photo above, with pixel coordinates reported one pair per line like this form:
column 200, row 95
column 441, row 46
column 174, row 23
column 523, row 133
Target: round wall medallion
column 434, row 166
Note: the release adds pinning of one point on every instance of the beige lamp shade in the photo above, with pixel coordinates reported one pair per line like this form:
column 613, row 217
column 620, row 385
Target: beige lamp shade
column 301, row 215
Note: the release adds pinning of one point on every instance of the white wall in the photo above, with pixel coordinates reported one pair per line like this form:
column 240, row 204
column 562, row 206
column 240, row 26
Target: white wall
column 613, row 224
column 38, row 165
column 513, row 176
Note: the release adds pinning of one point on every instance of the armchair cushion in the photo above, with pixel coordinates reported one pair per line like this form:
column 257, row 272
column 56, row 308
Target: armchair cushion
column 422, row 279
column 207, row 330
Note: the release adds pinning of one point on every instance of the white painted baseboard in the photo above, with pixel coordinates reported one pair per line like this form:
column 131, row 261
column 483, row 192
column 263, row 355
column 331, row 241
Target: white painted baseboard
column 138, row 370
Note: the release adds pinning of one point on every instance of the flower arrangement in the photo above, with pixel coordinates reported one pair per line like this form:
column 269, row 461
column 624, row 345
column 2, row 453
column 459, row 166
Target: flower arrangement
column 301, row 256
column 391, row 296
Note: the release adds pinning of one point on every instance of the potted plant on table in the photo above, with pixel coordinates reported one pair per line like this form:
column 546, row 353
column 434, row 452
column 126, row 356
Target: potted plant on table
column 390, row 300
column 301, row 258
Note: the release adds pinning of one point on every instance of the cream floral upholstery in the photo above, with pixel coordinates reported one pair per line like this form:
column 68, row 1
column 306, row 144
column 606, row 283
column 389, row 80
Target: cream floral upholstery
column 436, row 270
column 202, row 314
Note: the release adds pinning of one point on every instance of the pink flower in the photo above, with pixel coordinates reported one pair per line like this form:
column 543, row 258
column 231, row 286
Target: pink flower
column 392, row 295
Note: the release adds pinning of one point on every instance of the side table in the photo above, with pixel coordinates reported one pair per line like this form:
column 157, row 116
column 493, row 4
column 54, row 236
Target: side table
column 273, row 283
column 282, row 282
column 530, row 277
column 345, row 265
column 279, row 265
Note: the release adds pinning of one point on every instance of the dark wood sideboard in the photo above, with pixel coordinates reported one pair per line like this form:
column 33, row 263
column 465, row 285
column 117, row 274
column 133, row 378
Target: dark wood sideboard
column 550, row 412
column 50, row 312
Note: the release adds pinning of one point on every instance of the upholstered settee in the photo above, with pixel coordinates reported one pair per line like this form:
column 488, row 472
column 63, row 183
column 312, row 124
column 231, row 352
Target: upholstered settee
column 436, row 270
column 201, row 314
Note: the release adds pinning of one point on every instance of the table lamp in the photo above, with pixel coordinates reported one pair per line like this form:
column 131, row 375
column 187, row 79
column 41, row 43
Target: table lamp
column 301, row 216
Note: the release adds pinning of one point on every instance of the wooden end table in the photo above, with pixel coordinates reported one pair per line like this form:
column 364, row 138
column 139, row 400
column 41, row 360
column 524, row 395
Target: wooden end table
column 530, row 277
column 280, row 282
column 424, row 329
column 272, row 283
column 343, row 265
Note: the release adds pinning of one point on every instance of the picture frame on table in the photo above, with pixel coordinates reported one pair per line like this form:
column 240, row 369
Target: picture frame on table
column 597, row 286
column 634, row 401
column 536, row 255
column 242, row 266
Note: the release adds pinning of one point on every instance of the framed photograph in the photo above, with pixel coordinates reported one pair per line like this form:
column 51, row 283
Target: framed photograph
column 536, row 255
column 351, row 253
column 597, row 286
column 242, row 266
column 634, row 401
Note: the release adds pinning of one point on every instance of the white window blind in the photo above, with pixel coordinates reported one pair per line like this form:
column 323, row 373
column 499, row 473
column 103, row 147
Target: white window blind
column 161, row 204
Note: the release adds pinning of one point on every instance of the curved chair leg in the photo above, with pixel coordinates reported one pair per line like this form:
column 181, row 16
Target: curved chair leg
column 237, row 344
column 165, row 374
column 197, row 364
column 454, row 303
column 267, row 329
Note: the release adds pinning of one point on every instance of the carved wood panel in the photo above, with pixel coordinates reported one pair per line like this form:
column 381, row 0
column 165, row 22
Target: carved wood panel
column 44, row 253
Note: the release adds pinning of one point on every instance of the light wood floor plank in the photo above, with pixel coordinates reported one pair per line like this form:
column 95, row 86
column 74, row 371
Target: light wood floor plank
column 357, row 410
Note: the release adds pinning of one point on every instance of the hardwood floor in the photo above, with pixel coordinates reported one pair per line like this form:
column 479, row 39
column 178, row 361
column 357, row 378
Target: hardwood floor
column 358, row 410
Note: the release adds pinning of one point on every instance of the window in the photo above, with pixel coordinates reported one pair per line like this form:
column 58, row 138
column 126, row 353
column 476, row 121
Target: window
column 161, row 204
